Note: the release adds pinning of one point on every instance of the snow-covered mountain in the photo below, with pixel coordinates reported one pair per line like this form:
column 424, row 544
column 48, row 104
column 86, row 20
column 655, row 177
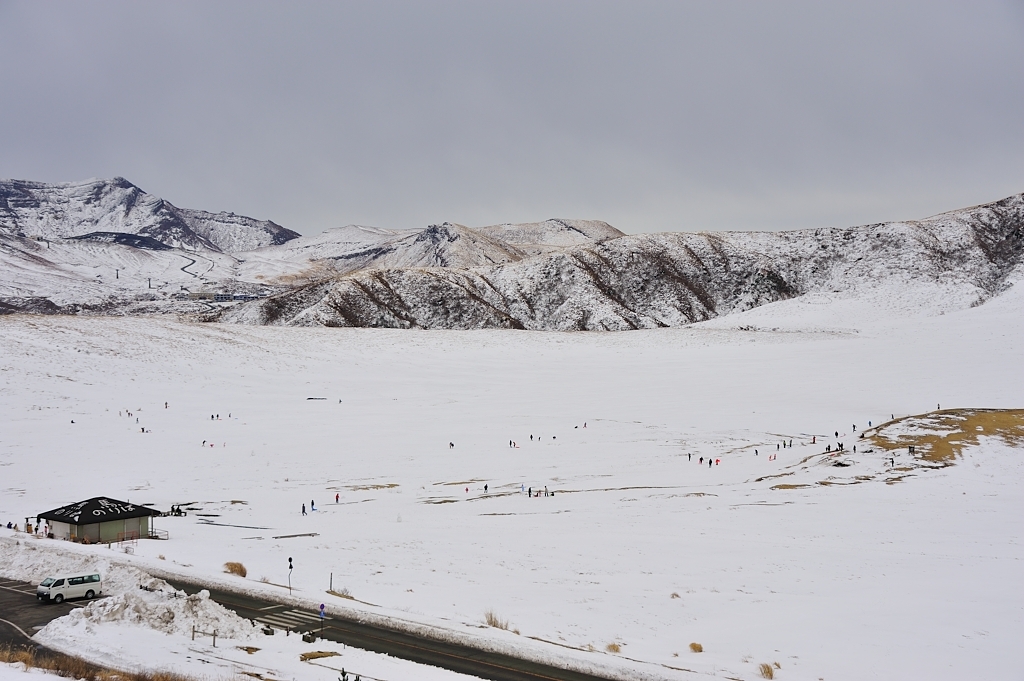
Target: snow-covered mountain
column 107, row 246
column 536, row 238
column 953, row 260
column 101, row 208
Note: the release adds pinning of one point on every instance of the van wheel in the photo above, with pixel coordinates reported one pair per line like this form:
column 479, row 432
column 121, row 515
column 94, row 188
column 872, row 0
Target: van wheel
column 59, row 598
column 90, row 593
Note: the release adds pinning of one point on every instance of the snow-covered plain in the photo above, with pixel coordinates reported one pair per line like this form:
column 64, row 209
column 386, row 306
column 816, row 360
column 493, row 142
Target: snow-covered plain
column 640, row 546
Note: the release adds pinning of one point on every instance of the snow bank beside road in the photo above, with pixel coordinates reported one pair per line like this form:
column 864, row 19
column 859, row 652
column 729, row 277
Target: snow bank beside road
column 164, row 609
column 30, row 559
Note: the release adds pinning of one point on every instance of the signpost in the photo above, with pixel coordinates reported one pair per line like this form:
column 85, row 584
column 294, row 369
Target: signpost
column 321, row 620
column 289, row 575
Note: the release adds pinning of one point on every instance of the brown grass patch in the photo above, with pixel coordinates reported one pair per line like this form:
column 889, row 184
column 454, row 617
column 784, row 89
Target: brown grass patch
column 789, row 486
column 367, row 488
column 344, row 593
column 766, row 671
column 248, row 649
column 76, row 668
column 316, row 655
column 493, row 620
column 952, row 431
column 233, row 568
column 696, row 648
column 613, row 648
column 674, row 595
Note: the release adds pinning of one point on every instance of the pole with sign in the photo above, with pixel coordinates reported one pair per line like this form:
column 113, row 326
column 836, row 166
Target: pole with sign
column 321, row 620
column 289, row 574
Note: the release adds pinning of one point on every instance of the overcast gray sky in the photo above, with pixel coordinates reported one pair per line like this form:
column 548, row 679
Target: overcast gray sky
column 652, row 116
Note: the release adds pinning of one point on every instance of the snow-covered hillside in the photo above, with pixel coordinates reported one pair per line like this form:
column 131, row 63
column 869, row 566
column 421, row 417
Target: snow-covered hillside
column 947, row 262
column 116, row 206
column 875, row 563
column 105, row 246
column 536, row 238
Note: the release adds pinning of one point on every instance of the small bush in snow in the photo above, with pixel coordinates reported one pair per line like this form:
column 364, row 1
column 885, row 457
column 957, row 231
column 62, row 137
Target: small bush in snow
column 234, row 568
column 493, row 620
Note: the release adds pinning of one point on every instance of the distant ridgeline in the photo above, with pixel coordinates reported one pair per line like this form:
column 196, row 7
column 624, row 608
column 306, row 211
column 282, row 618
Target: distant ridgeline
column 143, row 255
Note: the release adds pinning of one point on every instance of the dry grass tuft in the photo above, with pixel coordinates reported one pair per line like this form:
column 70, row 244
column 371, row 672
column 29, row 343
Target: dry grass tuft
column 766, row 671
column 344, row 593
column 248, row 649
column 316, row 655
column 75, row 668
column 696, row 648
column 231, row 567
column 493, row 620
column 613, row 648
column 674, row 595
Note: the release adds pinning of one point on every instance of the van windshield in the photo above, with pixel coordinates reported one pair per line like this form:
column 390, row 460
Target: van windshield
column 47, row 582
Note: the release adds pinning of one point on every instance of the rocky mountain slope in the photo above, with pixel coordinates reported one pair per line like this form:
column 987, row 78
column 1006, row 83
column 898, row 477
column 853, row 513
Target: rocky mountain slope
column 105, row 246
column 654, row 280
column 101, row 208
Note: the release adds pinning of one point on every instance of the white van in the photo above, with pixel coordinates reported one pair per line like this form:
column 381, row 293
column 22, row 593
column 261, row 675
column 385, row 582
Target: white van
column 56, row 589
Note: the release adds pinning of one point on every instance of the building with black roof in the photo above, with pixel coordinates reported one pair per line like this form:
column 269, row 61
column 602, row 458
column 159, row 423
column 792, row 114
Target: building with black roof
column 100, row 519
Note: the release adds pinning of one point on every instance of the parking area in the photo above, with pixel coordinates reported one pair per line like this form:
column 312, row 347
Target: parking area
column 22, row 615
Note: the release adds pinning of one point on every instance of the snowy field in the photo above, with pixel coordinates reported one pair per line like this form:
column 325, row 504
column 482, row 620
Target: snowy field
column 641, row 546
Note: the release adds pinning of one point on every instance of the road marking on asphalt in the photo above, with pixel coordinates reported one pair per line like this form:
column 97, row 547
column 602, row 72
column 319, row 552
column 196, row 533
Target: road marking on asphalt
column 288, row 619
column 18, row 628
column 21, row 591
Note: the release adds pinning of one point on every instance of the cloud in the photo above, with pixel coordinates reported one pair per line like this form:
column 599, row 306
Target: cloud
column 653, row 116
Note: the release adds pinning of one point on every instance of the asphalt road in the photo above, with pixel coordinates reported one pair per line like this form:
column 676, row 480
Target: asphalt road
column 457, row 658
column 21, row 615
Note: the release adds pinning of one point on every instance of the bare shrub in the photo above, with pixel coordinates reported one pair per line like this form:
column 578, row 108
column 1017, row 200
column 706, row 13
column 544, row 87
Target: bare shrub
column 231, row 567
column 766, row 671
column 613, row 648
column 493, row 620
column 696, row 647
column 675, row 595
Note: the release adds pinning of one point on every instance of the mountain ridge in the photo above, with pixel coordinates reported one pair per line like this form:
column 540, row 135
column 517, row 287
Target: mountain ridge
column 669, row 279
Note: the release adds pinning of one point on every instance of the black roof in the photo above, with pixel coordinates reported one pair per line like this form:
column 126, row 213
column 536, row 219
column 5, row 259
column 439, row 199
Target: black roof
column 97, row 510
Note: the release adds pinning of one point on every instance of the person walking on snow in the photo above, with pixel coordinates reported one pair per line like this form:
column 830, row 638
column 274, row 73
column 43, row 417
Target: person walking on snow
column 303, row 509
column 336, row 497
column 312, row 505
